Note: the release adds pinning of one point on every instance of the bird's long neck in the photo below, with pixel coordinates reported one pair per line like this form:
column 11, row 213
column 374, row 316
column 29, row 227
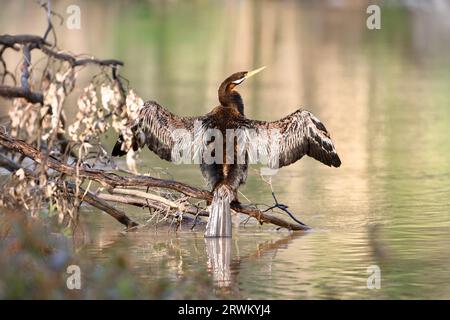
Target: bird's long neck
column 230, row 98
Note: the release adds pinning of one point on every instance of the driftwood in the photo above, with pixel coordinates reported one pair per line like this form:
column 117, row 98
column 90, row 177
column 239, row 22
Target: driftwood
column 112, row 181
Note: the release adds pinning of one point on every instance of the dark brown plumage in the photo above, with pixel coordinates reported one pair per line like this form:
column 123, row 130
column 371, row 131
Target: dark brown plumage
column 299, row 134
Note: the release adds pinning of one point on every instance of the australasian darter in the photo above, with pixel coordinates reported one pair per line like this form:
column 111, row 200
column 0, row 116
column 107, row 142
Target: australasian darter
column 299, row 134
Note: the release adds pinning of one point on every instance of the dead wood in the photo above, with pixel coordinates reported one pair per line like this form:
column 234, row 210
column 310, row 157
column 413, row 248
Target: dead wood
column 111, row 180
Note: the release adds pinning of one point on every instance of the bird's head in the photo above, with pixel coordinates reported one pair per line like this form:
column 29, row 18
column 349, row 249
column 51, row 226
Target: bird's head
column 227, row 94
column 237, row 78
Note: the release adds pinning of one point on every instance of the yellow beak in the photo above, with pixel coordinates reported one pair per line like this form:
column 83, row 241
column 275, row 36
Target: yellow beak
column 252, row 73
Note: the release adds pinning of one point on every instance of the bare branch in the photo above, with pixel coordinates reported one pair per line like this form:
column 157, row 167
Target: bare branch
column 83, row 195
column 94, row 201
column 12, row 40
column 141, row 198
column 112, row 180
column 40, row 43
column 18, row 92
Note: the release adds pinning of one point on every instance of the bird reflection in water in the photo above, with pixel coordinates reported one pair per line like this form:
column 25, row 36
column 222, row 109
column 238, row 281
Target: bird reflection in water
column 225, row 268
column 223, row 258
column 218, row 251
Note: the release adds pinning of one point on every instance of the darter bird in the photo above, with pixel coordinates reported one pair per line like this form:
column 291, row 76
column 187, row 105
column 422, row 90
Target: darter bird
column 165, row 133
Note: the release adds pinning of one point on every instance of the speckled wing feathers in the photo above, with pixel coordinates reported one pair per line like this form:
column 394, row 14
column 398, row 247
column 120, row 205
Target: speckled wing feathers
column 155, row 127
column 300, row 133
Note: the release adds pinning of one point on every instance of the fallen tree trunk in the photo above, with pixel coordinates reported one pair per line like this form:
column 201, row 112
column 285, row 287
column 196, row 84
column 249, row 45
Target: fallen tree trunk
column 111, row 180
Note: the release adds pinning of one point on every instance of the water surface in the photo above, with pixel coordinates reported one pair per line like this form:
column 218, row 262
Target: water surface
column 384, row 95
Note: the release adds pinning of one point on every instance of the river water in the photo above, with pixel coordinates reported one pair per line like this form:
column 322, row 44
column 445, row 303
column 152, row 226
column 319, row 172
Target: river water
column 384, row 95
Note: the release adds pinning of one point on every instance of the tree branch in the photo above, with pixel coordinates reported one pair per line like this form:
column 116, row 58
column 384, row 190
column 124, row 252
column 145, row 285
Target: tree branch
column 18, row 92
column 11, row 40
column 30, row 42
column 8, row 164
column 94, row 201
column 80, row 62
column 82, row 195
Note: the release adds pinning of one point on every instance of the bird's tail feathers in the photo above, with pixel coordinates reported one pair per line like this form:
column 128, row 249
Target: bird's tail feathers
column 219, row 222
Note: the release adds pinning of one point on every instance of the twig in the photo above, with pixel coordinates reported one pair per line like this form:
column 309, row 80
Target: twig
column 284, row 208
column 81, row 62
column 278, row 205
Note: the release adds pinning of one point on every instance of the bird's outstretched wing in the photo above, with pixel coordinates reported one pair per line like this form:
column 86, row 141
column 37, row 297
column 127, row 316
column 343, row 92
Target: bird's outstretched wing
column 162, row 131
column 299, row 134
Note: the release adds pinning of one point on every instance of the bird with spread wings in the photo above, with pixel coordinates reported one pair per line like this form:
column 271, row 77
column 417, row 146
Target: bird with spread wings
column 168, row 135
